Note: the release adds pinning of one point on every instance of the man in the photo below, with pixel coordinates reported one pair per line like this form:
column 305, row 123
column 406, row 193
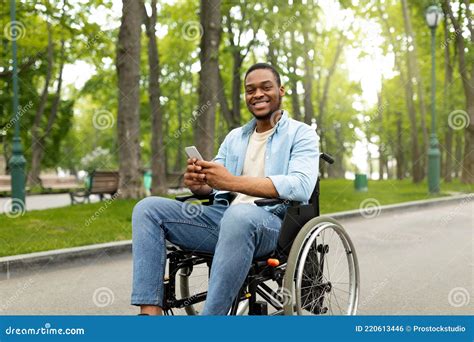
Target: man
column 271, row 156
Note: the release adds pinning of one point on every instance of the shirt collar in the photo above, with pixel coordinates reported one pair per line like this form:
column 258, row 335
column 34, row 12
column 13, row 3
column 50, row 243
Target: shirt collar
column 249, row 127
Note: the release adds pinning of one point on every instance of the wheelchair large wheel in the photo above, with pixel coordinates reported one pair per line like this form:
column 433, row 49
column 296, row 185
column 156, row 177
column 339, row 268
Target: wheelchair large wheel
column 322, row 273
column 193, row 281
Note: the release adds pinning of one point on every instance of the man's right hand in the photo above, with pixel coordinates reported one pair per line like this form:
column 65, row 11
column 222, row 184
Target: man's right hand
column 195, row 180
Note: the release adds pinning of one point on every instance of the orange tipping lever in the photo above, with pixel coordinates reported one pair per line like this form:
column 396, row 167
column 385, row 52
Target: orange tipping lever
column 273, row 262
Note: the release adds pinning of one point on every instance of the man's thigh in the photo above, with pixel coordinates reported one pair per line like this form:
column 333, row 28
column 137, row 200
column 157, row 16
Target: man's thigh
column 249, row 221
column 190, row 225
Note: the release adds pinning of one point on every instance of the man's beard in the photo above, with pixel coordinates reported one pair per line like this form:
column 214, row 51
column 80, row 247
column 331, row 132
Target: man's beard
column 270, row 112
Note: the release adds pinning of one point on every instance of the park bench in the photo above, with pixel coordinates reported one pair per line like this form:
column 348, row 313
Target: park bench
column 5, row 181
column 52, row 182
column 101, row 183
column 5, row 184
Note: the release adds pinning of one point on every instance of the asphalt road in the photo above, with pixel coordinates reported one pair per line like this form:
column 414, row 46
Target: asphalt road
column 419, row 262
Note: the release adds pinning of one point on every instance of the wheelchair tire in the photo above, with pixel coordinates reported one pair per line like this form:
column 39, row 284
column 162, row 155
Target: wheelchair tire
column 186, row 290
column 311, row 286
column 184, row 274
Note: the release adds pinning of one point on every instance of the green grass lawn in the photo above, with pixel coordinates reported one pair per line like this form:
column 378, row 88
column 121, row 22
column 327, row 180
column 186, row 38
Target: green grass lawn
column 74, row 226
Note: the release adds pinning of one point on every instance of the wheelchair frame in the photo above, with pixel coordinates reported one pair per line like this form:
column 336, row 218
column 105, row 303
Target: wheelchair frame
column 260, row 271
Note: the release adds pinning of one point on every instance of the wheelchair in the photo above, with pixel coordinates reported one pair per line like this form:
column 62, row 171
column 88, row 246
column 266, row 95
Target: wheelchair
column 313, row 271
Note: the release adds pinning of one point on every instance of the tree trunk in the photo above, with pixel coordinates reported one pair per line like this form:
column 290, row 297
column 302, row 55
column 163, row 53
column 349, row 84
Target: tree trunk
column 448, row 167
column 408, row 87
column 36, row 146
column 414, row 70
column 209, row 77
column 458, row 155
column 236, row 88
column 467, row 77
column 399, row 150
column 128, row 117
column 448, row 79
column 295, row 101
column 324, row 97
column 179, row 156
column 158, row 171
column 308, row 82
column 416, row 157
column 380, row 133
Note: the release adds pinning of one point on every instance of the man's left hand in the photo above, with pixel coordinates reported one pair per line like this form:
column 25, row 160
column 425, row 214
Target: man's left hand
column 217, row 176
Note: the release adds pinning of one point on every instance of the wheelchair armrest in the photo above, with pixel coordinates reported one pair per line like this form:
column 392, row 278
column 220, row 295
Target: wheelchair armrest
column 184, row 198
column 268, row 201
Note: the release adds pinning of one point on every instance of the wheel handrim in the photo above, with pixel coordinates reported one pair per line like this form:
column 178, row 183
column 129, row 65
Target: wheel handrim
column 324, row 287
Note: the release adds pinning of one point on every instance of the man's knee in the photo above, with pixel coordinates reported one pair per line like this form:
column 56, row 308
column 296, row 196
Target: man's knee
column 150, row 206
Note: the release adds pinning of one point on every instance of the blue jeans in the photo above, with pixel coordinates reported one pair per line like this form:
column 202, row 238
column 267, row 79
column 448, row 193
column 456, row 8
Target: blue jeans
column 235, row 234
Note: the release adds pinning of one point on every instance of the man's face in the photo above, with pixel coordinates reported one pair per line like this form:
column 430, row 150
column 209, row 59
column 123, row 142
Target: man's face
column 262, row 94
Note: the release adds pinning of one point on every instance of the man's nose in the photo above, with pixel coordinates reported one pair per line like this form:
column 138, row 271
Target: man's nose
column 258, row 92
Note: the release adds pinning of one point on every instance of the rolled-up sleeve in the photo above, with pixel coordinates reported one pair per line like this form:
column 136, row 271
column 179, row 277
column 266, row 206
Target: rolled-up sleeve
column 303, row 168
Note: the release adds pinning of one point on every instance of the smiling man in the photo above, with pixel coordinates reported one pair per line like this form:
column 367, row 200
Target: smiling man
column 270, row 156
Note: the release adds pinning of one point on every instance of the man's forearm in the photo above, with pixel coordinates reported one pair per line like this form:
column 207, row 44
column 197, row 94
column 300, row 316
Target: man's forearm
column 253, row 186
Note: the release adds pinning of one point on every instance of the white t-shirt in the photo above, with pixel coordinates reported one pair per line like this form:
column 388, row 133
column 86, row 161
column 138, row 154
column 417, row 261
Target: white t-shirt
column 254, row 164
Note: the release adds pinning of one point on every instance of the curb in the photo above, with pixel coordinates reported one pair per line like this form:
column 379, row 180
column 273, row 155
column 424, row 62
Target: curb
column 38, row 260
column 404, row 206
column 27, row 262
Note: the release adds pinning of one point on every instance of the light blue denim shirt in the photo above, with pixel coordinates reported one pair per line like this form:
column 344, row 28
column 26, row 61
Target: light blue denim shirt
column 291, row 158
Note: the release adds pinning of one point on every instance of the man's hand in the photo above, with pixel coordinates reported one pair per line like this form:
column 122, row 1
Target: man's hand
column 216, row 175
column 194, row 178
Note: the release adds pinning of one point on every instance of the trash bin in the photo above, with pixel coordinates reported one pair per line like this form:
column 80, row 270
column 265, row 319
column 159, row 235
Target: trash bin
column 147, row 181
column 361, row 183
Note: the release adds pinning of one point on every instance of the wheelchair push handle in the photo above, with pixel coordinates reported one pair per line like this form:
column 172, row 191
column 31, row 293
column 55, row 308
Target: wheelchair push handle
column 327, row 158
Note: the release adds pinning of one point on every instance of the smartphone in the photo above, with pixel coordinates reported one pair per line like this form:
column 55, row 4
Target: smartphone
column 192, row 152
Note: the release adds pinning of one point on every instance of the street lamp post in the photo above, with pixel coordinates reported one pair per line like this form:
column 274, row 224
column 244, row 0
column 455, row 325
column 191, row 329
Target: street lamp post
column 433, row 17
column 17, row 161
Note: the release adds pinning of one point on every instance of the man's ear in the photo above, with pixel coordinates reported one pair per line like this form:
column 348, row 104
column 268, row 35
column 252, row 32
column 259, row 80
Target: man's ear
column 282, row 90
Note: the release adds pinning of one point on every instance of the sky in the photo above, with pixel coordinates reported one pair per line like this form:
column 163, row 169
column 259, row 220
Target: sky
column 367, row 70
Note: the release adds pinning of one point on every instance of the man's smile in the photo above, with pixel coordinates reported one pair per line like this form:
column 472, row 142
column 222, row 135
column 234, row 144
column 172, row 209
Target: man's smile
column 260, row 103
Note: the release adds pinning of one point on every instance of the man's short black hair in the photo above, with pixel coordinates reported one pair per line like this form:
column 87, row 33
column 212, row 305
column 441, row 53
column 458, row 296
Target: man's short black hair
column 264, row 66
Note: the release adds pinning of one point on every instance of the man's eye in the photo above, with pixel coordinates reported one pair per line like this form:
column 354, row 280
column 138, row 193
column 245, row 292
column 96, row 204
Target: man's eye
column 267, row 88
column 250, row 91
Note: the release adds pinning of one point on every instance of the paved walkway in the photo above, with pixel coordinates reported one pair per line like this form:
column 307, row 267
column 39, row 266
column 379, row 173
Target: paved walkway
column 39, row 202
